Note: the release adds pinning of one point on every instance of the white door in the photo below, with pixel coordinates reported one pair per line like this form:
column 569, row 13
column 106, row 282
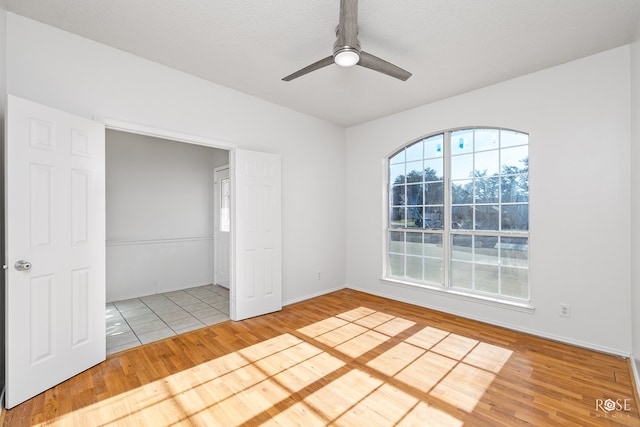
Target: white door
column 222, row 215
column 256, row 226
column 55, row 222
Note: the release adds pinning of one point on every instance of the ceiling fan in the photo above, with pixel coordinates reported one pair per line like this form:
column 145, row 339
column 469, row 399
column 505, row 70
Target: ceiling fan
column 346, row 49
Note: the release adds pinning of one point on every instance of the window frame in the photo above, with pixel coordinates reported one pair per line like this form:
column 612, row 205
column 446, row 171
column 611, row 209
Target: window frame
column 446, row 233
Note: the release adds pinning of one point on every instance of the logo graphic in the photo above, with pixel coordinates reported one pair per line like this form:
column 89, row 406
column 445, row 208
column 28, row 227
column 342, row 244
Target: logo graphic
column 613, row 407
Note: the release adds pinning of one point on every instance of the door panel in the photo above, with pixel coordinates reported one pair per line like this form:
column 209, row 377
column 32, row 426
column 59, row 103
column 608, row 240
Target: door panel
column 55, row 219
column 257, row 284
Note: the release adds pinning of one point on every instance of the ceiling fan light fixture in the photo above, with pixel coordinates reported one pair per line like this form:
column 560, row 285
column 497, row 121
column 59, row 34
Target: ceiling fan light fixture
column 346, row 49
column 346, row 57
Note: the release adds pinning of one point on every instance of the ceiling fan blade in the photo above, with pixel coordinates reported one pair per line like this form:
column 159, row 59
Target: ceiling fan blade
column 380, row 65
column 309, row 68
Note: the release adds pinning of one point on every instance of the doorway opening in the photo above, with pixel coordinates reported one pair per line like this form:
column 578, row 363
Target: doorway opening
column 162, row 208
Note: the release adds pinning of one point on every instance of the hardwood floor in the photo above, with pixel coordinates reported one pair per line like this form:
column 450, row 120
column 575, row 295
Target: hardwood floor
column 344, row 359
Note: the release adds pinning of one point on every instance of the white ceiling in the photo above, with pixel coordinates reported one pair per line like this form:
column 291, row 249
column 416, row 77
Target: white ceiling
column 450, row 46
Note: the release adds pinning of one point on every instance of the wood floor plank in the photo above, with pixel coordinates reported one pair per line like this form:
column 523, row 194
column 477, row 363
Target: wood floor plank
column 345, row 359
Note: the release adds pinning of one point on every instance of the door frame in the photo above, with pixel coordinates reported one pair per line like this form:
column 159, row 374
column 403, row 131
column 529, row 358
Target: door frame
column 135, row 128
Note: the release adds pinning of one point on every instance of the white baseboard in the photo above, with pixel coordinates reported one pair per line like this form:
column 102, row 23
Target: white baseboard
column 313, row 295
column 636, row 375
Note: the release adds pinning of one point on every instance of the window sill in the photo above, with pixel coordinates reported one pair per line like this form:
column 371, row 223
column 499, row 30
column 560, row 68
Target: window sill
column 458, row 294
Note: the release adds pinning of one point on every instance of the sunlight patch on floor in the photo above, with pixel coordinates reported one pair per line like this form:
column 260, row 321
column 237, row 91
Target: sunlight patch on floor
column 361, row 344
column 322, row 326
column 357, row 398
column 455, row 369
column 403, row 384
column 396, row 359
column 463, row 387
column 229, row 390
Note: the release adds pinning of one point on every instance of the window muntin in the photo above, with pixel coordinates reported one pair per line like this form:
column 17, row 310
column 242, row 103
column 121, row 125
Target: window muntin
column 478, row 240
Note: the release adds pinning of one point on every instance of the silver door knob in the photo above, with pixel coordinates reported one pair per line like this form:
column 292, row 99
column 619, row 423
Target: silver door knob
column 22, row 265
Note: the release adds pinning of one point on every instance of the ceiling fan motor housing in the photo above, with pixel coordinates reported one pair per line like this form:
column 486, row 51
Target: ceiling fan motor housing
column 346, row 52
column 346, row 49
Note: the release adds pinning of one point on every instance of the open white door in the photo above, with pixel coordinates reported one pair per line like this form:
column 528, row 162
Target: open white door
column 257, row 226
column 55, row 223
column 222, row 226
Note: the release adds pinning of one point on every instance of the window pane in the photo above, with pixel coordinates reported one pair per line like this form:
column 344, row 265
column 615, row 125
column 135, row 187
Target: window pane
column 515, row 282
column 414, row 243
column 515, row 160
column 397, row 217
column 414, row 194
column 487, row 217
column 415, row 217
column 487, row 163
column 433, row 271
column 415, row 152
column 433, row 218
column 462, row 166
column 433, row 245
column 461, row 192
column 415, row 172
column 514, row 251
column 398, row 195
column 515, row 217
column 486, row 278
column 433, row 146
column 462, row 142
column 396, row 174
column 515, row 188
column 396, row 242
column 433, row 264
column 396, row 265
column 434, row 193
column 510, row 138
column 399, row 157
column 462, row 217
column 433, row 170
column 486, row 139
column 414, row 267
column 461, row 247
column 486, row 249
column 462, row 274
column 487, row 190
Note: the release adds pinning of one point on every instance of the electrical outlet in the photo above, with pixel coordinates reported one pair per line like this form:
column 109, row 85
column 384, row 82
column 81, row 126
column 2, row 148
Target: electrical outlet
column 318, row 275
column 565, row 310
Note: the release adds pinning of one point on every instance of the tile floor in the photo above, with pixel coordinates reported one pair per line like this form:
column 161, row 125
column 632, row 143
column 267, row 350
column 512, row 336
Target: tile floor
column 138, row 321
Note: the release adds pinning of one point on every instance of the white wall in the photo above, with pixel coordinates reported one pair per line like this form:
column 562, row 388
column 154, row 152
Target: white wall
column 159, row 214
column 3, row 94
column 577, row 116
column 74, row 74
column 635, row 198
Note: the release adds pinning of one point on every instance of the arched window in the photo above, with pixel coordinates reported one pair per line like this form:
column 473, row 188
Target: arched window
column 459, row 212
